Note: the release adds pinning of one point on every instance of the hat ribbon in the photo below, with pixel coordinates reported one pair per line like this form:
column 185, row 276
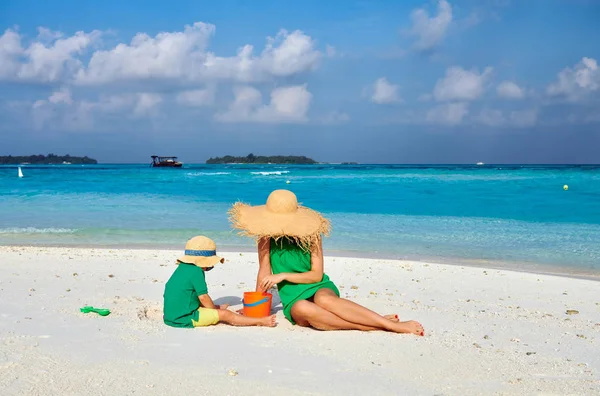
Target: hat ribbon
column 201, row 253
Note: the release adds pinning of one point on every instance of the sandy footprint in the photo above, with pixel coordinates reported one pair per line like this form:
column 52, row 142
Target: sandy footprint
column 153, row 312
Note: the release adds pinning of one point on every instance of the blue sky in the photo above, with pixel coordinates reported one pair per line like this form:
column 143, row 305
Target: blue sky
column 499, row 81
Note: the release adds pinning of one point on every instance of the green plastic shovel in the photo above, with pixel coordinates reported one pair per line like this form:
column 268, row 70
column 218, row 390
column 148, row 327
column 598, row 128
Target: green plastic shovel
column 99, row 311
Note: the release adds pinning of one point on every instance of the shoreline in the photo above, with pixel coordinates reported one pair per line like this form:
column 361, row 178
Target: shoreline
column 521, row 267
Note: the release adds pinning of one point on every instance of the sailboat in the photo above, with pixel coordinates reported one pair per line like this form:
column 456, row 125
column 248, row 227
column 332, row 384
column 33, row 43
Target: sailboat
column 20, row 172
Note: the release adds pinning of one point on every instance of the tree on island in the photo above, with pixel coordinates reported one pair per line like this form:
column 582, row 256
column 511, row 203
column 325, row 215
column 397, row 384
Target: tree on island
column 51, row 159
column 261, row 159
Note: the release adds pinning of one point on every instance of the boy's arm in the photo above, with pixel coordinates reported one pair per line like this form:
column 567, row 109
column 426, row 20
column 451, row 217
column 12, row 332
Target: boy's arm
column 199, row 284
column 264, row 261
column 207, row 302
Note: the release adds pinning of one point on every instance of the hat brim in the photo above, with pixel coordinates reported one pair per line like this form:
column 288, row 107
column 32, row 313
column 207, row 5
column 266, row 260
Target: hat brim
column 304, row 225
column 203, row 262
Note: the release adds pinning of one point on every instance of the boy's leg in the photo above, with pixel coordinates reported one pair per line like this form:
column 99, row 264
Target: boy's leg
column 234, row 319
column 206, row 317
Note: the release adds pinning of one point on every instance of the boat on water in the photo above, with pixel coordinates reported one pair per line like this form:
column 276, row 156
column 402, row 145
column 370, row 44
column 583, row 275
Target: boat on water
column 480, row 164
column 165, row 162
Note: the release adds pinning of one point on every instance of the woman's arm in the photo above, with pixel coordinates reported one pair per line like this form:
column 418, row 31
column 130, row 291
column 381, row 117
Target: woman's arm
column 264, row 262
column 313, row 276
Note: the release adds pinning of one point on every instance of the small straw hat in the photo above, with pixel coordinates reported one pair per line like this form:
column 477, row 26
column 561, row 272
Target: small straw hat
column 201, row 251
column 282, row 216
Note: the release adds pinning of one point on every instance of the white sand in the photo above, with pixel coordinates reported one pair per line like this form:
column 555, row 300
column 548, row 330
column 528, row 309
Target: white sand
column 488, row 331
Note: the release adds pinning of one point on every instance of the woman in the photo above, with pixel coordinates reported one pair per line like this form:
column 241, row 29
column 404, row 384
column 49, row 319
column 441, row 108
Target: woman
column 290, row 255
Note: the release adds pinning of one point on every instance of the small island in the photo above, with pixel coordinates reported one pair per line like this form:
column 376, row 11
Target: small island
column 261, row 159
column 50, row 159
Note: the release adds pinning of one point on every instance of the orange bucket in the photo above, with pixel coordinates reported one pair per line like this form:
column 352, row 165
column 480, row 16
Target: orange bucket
column 257, row 304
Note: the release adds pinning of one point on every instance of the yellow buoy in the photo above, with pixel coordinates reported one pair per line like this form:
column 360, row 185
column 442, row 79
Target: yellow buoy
column 565, row 187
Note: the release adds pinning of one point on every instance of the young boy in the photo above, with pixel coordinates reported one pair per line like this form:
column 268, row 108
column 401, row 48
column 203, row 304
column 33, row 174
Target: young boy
column 187, row 303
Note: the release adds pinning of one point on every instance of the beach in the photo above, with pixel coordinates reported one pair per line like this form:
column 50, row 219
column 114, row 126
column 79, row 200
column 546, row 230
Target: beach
column 488, row 331
column 440, row 160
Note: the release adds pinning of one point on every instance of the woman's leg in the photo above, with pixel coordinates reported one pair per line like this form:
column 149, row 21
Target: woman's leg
column 308, row 314
column 354, row 313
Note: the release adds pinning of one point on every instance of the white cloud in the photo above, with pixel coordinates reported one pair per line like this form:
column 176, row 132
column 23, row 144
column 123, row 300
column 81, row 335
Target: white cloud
column 45, row 112
column 335, row 118
column 592, row 118
column 330, row 51
column 425, row 97
column 10, row 51
column 391, row 53
column 146, row 104
column 472, row 20
column 460, row 84
column 60, row 111
column 246, row 101
column 287, row 105
column 510, row 90
column 578, row 82
column 62, row 96
column 288, row 54
column 196, row 97
column 430, row 31
column 183, row 56
column 47, row 35
column 115, row 104
column 483, row 11
column 170, row 60
column 180, row 56
column 523, row 118
column 384, row 92
column 167, row 55
column 49, row 59
column 516, row 118
column 448, row 114
column 490, row 117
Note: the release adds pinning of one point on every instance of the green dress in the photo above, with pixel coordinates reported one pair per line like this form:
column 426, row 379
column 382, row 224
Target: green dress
column 286, row 256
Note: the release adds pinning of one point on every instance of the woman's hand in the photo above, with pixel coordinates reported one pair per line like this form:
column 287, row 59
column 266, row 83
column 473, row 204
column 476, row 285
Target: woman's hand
column 271, row 280
column 223, row 306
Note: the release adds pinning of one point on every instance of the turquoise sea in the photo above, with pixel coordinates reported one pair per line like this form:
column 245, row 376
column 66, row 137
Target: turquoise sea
column 508, row 216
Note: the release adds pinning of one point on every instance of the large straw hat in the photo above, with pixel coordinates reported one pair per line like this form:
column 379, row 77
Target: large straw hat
column 280, row 217
column 201, row 251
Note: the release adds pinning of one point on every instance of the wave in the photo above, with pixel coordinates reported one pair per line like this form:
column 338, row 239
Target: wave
column 33, row 230
column 207, row 173
column 278, row 173
column 416, row 176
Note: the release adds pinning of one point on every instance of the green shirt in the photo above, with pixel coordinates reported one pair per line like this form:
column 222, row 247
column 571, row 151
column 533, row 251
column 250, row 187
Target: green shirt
column 181, row 295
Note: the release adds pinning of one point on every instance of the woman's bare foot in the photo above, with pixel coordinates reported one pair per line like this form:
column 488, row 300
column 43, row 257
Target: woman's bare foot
column 269, row 321
column 411, row 327
column 393, row 318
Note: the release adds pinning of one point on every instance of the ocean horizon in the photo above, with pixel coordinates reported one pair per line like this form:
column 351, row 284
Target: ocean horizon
column 507, row 216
